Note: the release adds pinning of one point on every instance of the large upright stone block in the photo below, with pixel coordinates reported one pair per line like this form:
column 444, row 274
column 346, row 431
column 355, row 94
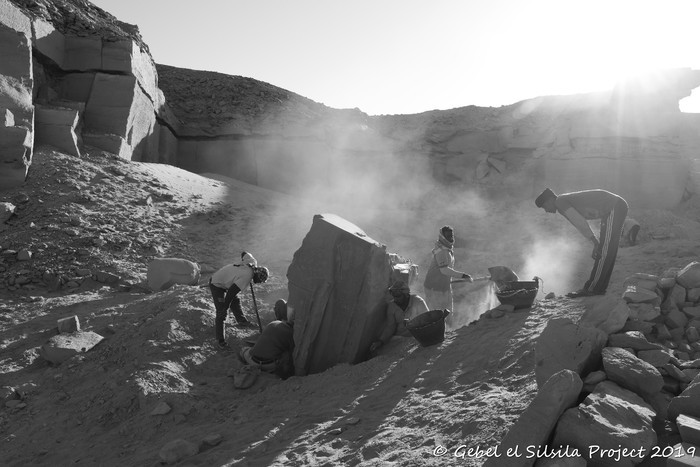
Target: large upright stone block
column 127, row 57
column 49, row 42
column 82, row 53
column 337, row 282
column 16, row 107
column 117, row 106
column 56, row 126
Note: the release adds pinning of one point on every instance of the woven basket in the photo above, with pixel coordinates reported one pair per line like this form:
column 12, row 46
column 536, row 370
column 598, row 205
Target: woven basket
column 520, row 294
column 428, row 328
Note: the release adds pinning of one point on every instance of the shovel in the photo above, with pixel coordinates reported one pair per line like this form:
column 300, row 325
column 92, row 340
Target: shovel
column 496, row 274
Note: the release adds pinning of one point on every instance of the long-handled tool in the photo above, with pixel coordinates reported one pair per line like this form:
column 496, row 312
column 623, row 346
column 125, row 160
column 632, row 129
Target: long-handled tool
column 496, row 274
column 255, row 307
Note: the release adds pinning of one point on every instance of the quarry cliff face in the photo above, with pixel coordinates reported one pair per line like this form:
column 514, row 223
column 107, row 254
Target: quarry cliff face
column 76, row 76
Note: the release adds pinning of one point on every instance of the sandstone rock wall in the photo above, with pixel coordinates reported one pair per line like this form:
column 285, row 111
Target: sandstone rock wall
column 70, row 58
column 71, row 75
column 16, row 109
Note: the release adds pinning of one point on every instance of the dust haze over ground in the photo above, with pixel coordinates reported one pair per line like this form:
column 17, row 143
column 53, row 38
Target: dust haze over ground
column 400, row 407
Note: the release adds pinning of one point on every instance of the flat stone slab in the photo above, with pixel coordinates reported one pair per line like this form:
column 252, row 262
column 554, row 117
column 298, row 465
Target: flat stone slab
column 63, row 346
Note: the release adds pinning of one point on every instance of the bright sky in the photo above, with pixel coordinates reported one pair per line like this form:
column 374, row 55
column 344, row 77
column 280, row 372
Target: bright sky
column 410, row 56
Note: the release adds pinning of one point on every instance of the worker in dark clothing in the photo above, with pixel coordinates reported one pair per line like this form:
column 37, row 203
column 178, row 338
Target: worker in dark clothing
column 630, row 230
column 225, row 284
column 578, row 208
column 403, row 306
column 275, row 343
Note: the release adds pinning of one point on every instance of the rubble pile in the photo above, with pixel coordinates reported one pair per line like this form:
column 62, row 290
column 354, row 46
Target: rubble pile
column 623, row 383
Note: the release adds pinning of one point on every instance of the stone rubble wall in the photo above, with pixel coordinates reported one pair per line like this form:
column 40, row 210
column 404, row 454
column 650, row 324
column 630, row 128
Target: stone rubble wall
column 638, row 359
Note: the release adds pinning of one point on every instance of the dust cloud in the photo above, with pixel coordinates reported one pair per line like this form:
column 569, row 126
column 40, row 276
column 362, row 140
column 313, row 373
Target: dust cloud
column 391, row 194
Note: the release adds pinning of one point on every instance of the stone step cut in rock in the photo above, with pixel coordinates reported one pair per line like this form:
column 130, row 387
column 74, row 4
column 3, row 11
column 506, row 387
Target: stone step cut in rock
column 610, row 418
column 337, row 282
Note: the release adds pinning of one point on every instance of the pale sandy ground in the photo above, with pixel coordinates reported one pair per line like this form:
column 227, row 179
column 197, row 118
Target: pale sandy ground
column 396, row 409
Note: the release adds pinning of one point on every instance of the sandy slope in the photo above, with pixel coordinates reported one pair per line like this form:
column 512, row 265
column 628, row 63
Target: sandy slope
column 96, row 409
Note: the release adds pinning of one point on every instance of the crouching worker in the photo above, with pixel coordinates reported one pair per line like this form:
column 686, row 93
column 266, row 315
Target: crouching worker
column 403, row 306
column 630, row 230
column 225, row 284
column 272, row 351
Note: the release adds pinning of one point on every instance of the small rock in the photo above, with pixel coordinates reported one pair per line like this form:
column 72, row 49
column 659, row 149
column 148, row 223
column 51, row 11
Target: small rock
column 161, row 409
column 177, row 450
column 8, row 393
column 213, row 439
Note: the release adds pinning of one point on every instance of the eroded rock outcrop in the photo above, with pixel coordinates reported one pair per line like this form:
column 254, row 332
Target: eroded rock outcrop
column 76, row 75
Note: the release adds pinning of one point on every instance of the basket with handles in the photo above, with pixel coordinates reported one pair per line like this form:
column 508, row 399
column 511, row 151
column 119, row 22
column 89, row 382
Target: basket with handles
column 428, row 328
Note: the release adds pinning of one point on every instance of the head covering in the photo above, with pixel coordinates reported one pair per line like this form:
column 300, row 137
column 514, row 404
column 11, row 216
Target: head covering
column 247, row 258
column 442, row 239
column 399, row 287
column 547, row 194
column 281, row 310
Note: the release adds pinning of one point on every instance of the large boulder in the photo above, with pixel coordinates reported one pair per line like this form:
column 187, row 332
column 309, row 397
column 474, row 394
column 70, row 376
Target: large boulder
column 565, row 345
column 118, row 107
column 337, row 280
column 609, row 420
column 631, row 372
column 609, row 315
column 166, row 272
column 534, row 426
